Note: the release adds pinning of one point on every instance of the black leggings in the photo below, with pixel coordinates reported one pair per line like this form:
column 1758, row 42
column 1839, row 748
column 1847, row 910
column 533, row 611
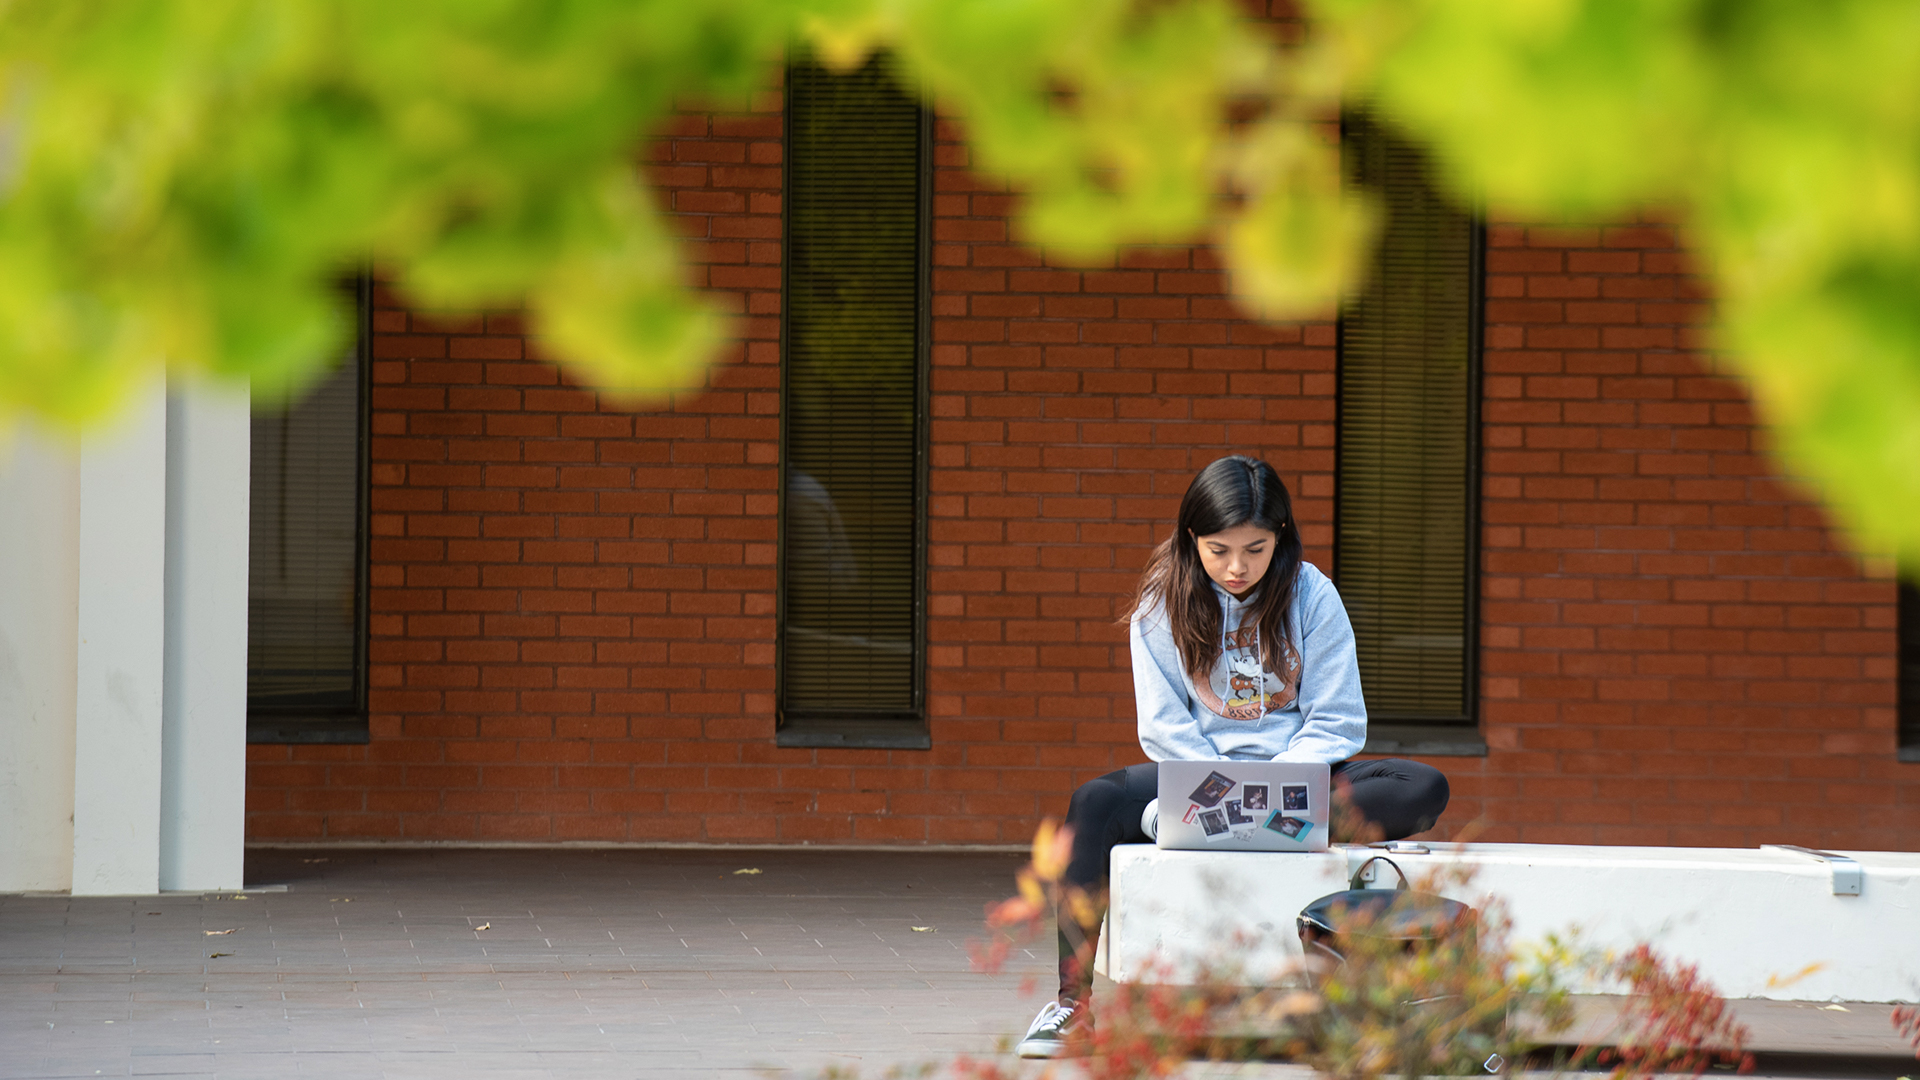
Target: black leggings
column 1389, row 799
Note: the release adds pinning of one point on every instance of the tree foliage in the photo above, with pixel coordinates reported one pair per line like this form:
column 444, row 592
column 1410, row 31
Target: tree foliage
column 183, row 184
column 1784, row 136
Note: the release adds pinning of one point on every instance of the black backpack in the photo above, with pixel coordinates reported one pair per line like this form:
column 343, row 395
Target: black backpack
column 1402, row 914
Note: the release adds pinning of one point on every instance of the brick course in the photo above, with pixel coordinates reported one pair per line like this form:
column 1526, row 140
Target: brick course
column 572, row 630
column 1676, row 649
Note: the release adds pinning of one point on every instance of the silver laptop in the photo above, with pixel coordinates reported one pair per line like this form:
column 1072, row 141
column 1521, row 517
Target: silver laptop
column 1243, row 806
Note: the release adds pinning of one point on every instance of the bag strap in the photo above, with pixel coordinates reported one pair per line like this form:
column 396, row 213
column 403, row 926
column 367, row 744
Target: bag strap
column 1360, row 874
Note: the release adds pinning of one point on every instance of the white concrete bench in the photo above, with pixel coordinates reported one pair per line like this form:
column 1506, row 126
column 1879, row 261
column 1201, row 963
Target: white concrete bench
column 1749, row 918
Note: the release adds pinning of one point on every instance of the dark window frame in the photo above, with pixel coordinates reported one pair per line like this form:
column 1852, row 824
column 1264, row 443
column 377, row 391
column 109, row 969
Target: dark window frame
column 1439, row 738
column 1907, row 670
column 908, row 731
column 283, row 726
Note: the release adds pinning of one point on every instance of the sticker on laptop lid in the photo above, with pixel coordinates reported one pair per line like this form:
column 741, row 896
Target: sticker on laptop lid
column 1215, row 824
column 1253, row 797
column 1234, row 814
column 1293, row 798
column 1289, row 827
column 1212, row 789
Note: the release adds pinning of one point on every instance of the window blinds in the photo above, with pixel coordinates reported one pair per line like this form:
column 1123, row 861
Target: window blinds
column 303, row 581
column 851, row 545
column 1407, row 448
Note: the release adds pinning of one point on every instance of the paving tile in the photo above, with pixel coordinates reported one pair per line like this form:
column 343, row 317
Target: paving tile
column 644, row 964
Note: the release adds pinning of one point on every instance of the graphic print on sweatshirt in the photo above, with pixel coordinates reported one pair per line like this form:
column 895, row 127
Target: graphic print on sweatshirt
column 1240, row 687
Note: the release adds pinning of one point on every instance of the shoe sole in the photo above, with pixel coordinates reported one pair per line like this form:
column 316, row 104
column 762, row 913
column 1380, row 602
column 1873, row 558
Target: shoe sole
column 1049, row 1049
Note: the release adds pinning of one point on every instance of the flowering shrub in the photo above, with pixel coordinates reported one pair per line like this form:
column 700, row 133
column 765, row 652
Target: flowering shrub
column 1674, row 1021
column 1467, row 999
column 1906, row 1021
column 1407, row 997
column 1437, row 1002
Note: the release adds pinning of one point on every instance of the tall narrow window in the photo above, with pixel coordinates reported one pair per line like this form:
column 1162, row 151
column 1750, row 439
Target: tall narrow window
column 306, row 593
column 1406, row 517
column 1909, row 622
column 853, row 535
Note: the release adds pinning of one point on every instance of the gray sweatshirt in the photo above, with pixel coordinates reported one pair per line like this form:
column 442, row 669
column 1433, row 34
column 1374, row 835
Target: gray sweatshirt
column 1247, row 712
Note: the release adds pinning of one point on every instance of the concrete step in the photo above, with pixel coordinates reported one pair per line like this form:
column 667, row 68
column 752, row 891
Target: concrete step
column 1772, row 923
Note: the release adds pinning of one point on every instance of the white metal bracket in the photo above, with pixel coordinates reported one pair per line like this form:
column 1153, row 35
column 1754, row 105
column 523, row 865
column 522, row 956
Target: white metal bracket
column 1847, row 875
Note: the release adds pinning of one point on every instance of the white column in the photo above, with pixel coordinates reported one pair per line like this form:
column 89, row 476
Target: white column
column 122, row 631
column 39, row 571
column 203, row 789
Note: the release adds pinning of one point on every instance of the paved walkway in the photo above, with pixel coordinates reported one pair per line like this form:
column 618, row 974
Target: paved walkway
column 487, row 965
column 497, row 964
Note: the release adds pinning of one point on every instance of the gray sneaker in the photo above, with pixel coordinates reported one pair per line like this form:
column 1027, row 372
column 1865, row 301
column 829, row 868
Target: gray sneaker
column 1060, row 1024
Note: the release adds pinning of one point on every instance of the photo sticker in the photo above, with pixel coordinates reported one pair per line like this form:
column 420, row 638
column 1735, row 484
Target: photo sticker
column 1234, row 816
column 1213, row 789
column 1253, row 797
column 1294, row 797
column 1291, row 828
column 1215, row 824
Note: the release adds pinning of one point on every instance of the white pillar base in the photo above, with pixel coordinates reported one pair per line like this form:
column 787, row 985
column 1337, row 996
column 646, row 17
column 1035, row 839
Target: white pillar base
column 39, row 576
column 122, row 633
column 203, row 790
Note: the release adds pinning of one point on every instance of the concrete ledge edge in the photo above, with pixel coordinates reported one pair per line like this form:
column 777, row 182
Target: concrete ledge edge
column 616, row 845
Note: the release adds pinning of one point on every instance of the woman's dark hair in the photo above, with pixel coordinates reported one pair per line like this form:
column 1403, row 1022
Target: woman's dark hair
column 1231, row 492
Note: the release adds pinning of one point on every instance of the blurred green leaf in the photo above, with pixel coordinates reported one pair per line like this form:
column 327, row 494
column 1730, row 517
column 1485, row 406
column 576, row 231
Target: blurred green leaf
column 182, row 185
column 1784, row 137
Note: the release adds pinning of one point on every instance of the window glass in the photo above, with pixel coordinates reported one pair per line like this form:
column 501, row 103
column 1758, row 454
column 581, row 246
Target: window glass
column 852, row 541
column 305, row 601
column 1405, row 515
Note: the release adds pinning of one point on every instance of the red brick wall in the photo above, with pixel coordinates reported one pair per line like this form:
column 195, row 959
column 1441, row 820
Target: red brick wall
column 572, row 632
column 1676, row 650
column 572, row 606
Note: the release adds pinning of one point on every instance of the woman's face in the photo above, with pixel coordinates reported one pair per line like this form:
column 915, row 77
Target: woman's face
column 1237, row 558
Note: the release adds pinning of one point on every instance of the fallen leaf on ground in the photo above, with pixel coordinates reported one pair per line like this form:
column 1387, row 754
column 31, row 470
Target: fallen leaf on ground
column 748, row 870
column 341, row 900
column 483, row 926
column 923, row 929
column 239, row 896
column 217, row 955
column 1836, row 1008
column 313, row 860
column 217, row 933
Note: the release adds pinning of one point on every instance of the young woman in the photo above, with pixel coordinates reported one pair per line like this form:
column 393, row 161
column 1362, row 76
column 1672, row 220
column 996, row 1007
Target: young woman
column 1241, row 652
